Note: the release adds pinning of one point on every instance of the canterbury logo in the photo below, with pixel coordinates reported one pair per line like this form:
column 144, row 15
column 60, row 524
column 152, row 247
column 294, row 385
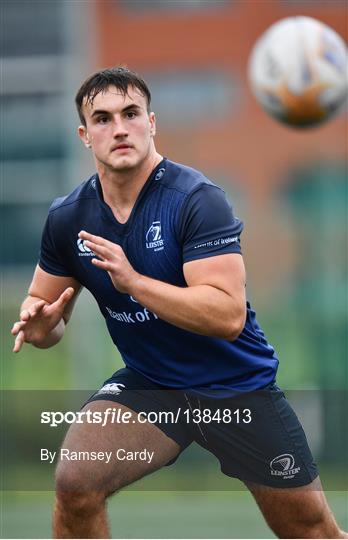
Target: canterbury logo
column 284, row 465
column 83, row 249
column 112, row 388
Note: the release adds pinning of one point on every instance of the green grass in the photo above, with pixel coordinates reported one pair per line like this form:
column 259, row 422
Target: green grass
column 157, row 515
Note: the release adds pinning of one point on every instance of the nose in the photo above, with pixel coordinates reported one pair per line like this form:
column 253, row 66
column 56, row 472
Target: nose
column 120, row 129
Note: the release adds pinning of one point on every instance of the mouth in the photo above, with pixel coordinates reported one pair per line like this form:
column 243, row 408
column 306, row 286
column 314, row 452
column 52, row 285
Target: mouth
column 121, row 148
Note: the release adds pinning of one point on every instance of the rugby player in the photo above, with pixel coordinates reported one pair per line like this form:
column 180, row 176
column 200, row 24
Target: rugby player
column 158, row 246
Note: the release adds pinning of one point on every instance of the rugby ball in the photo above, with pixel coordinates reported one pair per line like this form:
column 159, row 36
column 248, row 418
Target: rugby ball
column 298, row 71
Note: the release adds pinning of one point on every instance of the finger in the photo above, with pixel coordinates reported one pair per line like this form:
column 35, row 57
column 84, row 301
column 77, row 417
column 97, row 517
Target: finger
column 17, row 327
column 91, row 237
column 101, row 251
column 35, row 308
column 24, row 315
column 18, row 342
column 103, row 265
column 64, row 298
column 99, row 240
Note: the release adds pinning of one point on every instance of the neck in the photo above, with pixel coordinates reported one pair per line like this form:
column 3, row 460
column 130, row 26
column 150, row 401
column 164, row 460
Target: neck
column 121, row 188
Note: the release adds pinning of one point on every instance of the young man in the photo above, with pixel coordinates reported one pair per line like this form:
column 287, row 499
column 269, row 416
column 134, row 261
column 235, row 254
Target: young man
column 157, row 245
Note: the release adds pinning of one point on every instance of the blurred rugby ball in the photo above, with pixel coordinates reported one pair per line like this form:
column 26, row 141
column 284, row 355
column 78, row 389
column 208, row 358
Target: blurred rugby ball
column 298, row 71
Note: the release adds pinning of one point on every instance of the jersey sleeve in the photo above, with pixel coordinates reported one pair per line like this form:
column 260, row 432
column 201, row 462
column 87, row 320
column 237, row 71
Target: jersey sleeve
column 49, row 259
column 208, row 226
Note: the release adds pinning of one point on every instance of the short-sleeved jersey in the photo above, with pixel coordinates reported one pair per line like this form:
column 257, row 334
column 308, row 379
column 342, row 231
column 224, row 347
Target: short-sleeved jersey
column 179, row 216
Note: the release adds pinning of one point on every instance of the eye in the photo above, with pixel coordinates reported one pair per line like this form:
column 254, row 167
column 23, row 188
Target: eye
column 102, row 119
column 131, row 114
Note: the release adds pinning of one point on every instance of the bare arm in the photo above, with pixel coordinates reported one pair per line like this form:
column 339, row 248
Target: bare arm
column 46, row 310
column 212, row 304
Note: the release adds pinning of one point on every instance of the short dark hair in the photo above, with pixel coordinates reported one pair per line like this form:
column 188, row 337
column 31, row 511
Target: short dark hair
column 120, row 77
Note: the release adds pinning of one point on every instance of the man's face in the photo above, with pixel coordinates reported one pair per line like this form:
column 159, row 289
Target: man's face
column 118, row 128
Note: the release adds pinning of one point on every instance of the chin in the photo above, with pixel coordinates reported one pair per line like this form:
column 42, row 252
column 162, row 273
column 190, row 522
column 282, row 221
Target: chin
column 123, row 165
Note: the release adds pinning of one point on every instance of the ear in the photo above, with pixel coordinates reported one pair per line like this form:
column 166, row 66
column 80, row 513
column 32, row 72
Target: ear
column 82, row 132
column 152, row 120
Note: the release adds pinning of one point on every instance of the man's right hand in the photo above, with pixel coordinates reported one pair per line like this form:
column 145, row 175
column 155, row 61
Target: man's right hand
column 39, row 320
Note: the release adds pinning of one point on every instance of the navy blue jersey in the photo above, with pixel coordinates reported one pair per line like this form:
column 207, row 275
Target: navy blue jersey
column 179, row 216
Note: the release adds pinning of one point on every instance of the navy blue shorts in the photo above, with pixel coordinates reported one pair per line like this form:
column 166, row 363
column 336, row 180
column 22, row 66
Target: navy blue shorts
column 256, row 436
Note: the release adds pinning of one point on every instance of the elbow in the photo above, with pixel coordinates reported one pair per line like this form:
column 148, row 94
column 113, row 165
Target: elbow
column 233, row 328
column 234, row 333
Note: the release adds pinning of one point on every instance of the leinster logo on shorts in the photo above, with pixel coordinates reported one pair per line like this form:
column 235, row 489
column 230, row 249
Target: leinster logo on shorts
column 112, row 388
column 284, row 465
column 154, row 238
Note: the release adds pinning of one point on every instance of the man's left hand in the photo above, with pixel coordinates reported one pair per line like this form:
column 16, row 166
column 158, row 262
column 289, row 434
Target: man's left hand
column 113, row 260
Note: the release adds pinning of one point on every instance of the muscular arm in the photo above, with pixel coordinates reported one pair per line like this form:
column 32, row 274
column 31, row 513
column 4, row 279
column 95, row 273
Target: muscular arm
column 46, row 310
column 212, row 304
